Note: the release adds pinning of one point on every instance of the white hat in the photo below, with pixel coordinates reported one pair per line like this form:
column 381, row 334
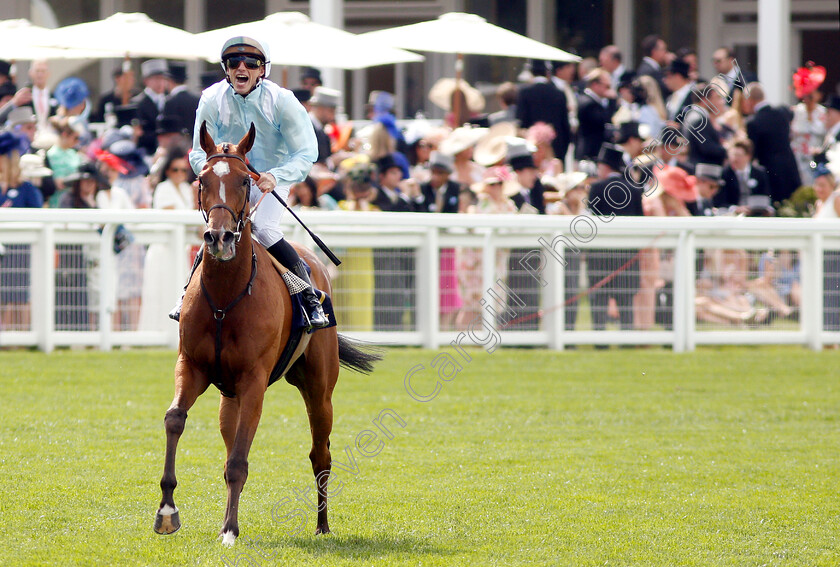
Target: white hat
column 154, row 67
column 324, row 96
column 441, row 161
column 32, row 166
column 460, row 139
column 441, row 94
column 492, row 148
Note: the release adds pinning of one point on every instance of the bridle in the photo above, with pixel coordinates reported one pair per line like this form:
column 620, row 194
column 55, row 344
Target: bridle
column 240, row 218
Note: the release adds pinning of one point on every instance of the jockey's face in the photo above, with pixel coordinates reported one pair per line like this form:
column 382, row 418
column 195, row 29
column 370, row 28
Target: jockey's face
column 241, row 76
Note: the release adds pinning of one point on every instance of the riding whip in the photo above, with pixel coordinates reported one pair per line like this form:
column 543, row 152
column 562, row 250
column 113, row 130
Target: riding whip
column 326, row 250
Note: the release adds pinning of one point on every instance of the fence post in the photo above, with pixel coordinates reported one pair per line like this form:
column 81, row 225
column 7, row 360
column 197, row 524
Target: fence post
column 812, row 288
column 42, row 290
column 107, row 291
column 554, row 306
column 427, row 271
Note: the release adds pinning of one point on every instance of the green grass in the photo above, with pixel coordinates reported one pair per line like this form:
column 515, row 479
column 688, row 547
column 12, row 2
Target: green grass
column 624, row 457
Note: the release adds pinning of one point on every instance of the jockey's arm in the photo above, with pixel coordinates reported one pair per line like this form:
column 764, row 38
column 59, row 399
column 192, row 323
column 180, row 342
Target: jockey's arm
column 298, row 134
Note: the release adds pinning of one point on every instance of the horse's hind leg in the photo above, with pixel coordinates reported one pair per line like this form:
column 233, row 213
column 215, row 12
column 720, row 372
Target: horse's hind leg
column 316, row 387
column 189, row 384
column 236, row 466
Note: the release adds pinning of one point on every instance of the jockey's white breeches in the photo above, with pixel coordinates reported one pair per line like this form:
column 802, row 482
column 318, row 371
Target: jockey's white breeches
column 265, row 223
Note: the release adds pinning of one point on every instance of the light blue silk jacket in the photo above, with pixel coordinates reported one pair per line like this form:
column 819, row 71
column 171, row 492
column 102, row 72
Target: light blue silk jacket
column 285, row 145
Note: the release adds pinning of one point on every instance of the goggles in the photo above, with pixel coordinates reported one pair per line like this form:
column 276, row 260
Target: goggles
column 251, row 62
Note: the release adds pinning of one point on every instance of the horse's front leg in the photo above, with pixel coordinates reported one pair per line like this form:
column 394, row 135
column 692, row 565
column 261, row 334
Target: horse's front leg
column 189, row 384
column 236, row 467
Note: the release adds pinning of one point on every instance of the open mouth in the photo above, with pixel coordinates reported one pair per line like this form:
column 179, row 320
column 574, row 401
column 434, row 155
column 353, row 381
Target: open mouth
column 241, row 79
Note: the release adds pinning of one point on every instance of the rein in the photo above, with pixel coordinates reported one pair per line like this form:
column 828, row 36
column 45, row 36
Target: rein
column 240, row 219
column 219, row 316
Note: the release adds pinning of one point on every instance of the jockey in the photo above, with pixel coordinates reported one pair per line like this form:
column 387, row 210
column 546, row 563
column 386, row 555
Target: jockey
column 283, row 153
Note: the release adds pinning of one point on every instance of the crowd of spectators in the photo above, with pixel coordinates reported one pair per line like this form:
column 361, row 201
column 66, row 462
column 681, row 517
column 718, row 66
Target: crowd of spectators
column 550, row 142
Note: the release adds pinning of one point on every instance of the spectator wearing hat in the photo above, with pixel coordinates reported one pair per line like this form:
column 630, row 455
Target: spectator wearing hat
column 310, row 79
column 744, row 184
column 73, row 95
column 440, row 193
column 150, row 102
column 390, row 196
column 655, row 57
column 828, row 207
column 769, row 130
column 459, row 144
column 595, row 109
column 520, row 157
column 15, row 263
column 180, row 103
column 124, row 90
column 680, row 84
column 22, row 121
column 542, row 101
column 808, row 124
column 323, row 106
column 708, row 181
column 612, row 195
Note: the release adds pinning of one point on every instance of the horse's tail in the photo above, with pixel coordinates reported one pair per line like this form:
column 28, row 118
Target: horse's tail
column 357, row 356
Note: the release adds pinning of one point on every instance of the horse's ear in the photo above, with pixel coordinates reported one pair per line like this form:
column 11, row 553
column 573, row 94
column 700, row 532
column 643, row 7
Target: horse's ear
column 207, row 143
column 247, row 142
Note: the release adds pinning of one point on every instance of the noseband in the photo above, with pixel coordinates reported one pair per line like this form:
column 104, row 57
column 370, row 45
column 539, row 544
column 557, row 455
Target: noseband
column 240, row 218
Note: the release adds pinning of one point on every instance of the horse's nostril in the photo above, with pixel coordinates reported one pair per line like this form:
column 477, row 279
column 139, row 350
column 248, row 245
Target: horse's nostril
column 209, row 238
column 227, row 237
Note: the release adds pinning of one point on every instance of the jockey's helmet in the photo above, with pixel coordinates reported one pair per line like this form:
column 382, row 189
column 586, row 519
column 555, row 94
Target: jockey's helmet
column 250, row 42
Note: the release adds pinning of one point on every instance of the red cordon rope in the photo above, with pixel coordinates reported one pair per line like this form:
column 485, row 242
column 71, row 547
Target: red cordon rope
column 601, row 283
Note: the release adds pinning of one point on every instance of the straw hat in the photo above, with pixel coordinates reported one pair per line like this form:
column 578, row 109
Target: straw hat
column 441, row 94
column 492, row 148
column 495, row 174
column 460, row 139
column 561, row 184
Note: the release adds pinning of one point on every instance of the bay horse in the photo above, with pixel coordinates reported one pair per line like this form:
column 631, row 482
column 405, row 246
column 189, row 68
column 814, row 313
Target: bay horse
column 237, row 347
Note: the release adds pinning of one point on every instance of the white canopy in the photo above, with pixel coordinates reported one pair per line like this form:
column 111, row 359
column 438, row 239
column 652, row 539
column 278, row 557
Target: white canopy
column 124, row 35
column 22, row 41
column 295, row 40
column 457, row 32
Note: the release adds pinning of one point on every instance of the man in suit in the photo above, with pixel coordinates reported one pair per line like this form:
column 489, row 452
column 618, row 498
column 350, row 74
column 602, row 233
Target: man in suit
column 654, row 59
column 704, row 143
column 725, row 64
column 322, row 107
column 769, row 130
column 744, row 185
column 832, row 128
column 440, row 193
column 596, row 106
column 678, row 82
column 707, row 186
column 541, row 101
column 43, row 104
column 612, row 195
column 609, row 58
column 180, row 102
column 564, row 76
column 310, row 79
column 122, row 93
column 393, row 269
column 150, row 102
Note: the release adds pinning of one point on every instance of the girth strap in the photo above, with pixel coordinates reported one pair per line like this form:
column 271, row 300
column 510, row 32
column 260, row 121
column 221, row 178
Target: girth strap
column 219, row 316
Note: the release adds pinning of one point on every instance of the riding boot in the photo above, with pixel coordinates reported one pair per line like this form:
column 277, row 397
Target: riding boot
column 175, row 314
column 289, row 257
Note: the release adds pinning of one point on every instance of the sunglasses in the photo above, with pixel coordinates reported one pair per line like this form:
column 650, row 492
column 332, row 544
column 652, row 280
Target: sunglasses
column 233, row 62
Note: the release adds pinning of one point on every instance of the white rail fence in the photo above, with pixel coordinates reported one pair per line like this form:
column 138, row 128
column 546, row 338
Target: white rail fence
column 531, row 270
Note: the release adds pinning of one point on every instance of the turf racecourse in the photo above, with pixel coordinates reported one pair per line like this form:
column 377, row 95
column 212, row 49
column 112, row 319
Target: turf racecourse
column 723, row 456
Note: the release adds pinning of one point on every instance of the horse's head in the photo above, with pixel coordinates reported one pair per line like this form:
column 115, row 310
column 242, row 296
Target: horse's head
column 224, row 185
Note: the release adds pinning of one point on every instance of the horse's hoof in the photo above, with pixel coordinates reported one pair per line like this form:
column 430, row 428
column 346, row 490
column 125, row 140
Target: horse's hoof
column 228, row 539
column 321, row 530
column 167, row 521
